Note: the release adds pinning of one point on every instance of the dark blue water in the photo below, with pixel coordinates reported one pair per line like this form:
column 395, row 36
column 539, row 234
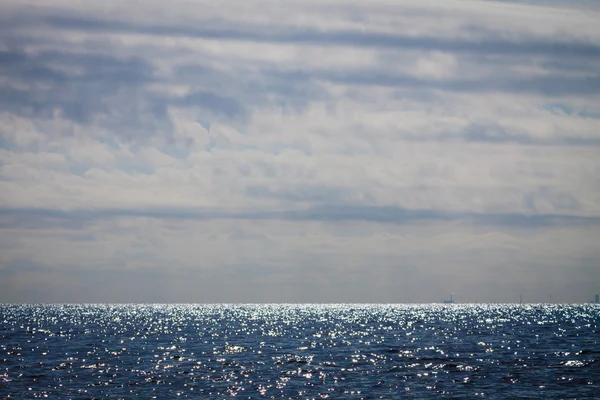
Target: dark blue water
column 299, row 351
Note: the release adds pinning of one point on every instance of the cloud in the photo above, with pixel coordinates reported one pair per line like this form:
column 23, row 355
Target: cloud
column 283, row 34
column 300, row 146
column 79, row 219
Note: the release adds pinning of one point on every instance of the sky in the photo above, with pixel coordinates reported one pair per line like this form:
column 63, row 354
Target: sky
column 299, row 151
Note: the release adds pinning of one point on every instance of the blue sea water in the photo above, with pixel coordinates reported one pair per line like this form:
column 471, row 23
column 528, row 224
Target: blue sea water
column 299, row 351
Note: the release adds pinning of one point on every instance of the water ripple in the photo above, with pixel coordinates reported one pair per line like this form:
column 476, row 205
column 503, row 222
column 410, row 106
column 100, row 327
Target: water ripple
column 299, row 351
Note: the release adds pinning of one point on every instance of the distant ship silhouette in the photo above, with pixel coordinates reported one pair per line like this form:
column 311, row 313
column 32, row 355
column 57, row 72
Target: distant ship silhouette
column 451, row 301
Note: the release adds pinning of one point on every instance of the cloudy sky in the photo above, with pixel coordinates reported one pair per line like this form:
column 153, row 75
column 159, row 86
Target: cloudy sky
column 310, row 151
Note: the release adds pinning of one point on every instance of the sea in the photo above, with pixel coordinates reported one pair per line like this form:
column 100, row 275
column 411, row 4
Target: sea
column 286, row 351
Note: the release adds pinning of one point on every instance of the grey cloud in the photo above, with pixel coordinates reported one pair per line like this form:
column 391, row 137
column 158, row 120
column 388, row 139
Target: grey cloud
column 479, row 132
column 290, row 83
column 23, row 219
column 490, row 44
column 558, row 85
column 246, row 235
column 553, row 64
column 392, row 214
column 315, row 194
column 297, row 87
column 116, row 88
column 106, row 85
column 111, row 87
column 19, row 65
column 495, row 133
column 220, row 105
column 256, row 87
column 98, row 68
column 330, row 213
column 559, row 200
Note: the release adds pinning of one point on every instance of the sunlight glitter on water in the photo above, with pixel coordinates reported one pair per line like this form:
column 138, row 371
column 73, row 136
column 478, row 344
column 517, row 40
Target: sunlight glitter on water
column 299, row 351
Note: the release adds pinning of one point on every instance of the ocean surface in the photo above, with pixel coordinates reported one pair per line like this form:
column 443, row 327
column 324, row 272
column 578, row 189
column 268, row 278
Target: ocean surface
column 300, row 351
